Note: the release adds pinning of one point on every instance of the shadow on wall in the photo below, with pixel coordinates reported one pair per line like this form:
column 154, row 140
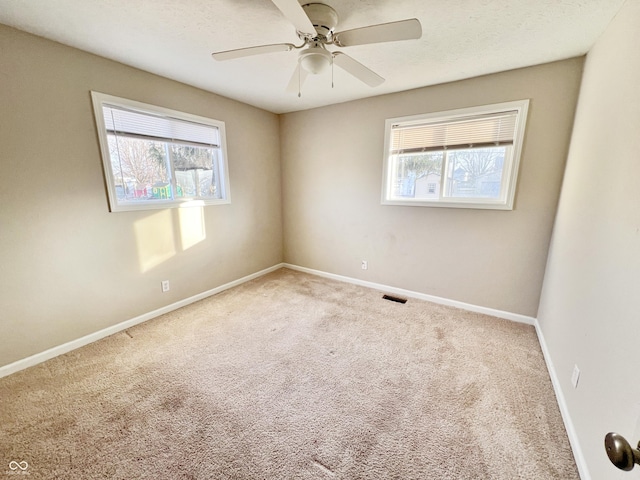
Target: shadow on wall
column 161, row 235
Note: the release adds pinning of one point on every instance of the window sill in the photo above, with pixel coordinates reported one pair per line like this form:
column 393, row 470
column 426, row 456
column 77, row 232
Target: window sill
column 497, row 205
column 157, row 205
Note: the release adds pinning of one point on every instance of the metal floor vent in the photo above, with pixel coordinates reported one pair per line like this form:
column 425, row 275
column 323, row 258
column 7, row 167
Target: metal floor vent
column 394, row 299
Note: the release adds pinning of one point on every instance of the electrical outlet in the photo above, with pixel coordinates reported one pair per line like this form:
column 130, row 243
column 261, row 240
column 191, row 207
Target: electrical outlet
column 575, row 376
column 365, row 264
column 165, row 285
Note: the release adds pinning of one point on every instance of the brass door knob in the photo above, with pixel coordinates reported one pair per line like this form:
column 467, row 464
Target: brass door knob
column 620, row 452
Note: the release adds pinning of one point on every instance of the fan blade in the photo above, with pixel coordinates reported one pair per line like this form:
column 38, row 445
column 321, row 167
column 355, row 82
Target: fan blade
column 246, row 52
column 294, row 12
column 356, row 69
column 385, row 32
column 297, row 80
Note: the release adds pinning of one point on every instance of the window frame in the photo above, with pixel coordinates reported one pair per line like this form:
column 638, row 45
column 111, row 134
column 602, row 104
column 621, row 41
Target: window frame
column 100, row 99
column 510, row 176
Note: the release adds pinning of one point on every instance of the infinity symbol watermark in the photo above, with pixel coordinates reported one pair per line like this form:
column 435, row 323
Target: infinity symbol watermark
column 17, row 468
column 13, row 465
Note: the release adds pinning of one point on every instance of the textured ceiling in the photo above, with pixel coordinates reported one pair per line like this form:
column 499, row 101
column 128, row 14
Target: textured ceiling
column 175, row 38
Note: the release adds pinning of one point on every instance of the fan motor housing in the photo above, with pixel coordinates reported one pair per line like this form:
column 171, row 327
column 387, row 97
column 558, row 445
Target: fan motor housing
column 323, row 17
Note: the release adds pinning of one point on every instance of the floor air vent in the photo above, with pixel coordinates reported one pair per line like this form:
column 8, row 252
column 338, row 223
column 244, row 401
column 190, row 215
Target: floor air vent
column 394, row 299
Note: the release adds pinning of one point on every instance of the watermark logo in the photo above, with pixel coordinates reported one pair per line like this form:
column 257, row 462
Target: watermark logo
column 18, row 468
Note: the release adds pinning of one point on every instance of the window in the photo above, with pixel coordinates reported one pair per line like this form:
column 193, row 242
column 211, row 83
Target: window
column 465, row 158
column 154, row 157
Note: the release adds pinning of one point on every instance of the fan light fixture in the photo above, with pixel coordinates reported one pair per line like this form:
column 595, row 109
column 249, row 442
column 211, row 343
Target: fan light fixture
column 315, row 60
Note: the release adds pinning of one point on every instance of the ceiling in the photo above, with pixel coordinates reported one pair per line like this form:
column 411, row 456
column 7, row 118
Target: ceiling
column 175, row 39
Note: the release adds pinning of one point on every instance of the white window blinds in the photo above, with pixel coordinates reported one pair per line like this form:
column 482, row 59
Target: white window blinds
column 468, row 132
column 125, row 122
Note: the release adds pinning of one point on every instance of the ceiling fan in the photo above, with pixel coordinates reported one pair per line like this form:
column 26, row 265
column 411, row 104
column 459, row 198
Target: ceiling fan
column 315, row 25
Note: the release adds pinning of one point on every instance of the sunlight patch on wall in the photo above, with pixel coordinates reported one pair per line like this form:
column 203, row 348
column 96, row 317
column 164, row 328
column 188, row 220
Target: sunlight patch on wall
column 155, row 240
column 192, row 227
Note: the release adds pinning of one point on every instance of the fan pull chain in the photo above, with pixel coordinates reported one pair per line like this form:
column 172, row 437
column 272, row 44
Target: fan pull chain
column 331, row 72
column 299, row 81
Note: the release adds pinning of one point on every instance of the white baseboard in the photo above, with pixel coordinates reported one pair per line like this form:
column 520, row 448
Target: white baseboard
column 92, row 337
column 515, row 317
column 564, row 409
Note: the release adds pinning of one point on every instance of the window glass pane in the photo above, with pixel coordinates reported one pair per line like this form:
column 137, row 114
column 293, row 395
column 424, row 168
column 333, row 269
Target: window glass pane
column 475, row 172
column 140, row 169
column 196, row 170
column 418, row 175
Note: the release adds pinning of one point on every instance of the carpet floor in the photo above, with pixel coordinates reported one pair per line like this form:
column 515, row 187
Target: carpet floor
column 292, row 376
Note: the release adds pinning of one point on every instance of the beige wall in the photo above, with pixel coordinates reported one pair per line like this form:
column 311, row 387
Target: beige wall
column 69, row 267
column 332, row 174
column 590, row 307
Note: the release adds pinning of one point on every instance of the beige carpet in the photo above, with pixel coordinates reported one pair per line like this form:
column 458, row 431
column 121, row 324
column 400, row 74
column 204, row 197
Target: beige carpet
column 293, row 376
